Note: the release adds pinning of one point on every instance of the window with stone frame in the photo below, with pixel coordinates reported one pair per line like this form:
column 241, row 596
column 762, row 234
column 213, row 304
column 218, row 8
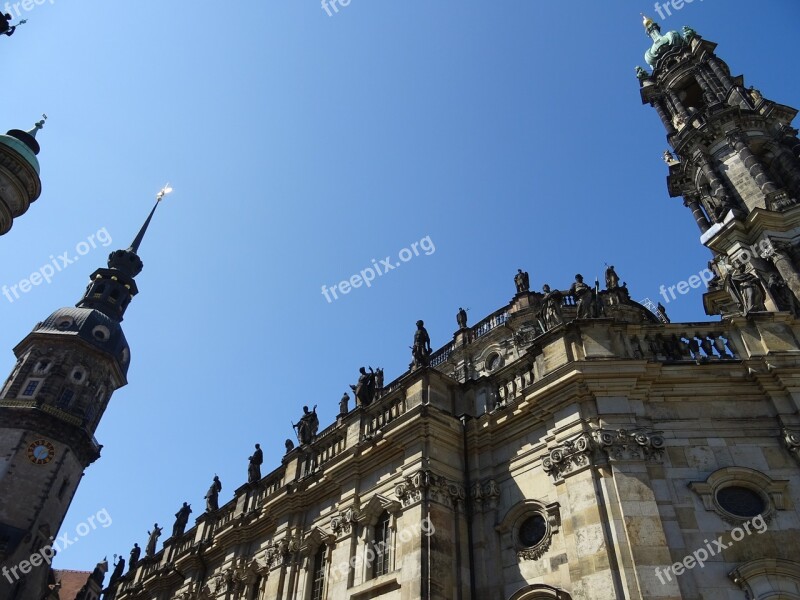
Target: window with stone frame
column 382, row 545
column 65, row 398
column 30, row 388
column 318, row 575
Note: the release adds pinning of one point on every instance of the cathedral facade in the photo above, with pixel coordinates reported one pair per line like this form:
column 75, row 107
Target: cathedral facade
column 571, row 445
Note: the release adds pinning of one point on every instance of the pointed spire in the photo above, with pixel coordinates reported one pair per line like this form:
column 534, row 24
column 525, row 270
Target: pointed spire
column 134, row 247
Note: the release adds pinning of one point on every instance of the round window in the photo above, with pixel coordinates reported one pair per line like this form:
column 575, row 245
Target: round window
column 64, row 323
column 101, row 333
column 533, row 530
column 741, row 501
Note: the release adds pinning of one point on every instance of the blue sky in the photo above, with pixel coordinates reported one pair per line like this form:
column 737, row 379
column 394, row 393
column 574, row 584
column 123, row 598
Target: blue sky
column 301, row 147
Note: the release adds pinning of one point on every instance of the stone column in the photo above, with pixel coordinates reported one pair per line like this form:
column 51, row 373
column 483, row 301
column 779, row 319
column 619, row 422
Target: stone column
column 707, row 85
column 788, row 168
column 718, row 190
column 727, row 84
column 783, row 262
column 738, row 142
column 658, row 104
column 692, row 202
column 678, row 106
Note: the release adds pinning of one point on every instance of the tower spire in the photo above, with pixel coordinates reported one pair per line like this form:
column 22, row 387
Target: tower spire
column 112, row 289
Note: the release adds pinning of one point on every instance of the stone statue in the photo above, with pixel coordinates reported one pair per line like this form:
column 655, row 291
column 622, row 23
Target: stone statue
column 584, row 298
column 289, row 444
column 364, row 390
column 746, row 290
column 669, row 158
column 254, row 466
column 181, row 519
column 136, row 552
column 5, row 28
column 343, row 404
column 378, row 381
column 212, row 495
column 150, row 550
column 641, row 74
column 662, row 312
column 461, row 318
column 783, row 296
column 688, row 33
column 612, row 279
column 678, row 122
column 521, row 281
column 421, row 350
column 755, row 95
column 307, row 426
column 551, row 313
column 119, row 567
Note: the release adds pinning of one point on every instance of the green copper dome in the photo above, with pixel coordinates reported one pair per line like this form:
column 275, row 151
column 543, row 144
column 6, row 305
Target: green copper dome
column 24, row 143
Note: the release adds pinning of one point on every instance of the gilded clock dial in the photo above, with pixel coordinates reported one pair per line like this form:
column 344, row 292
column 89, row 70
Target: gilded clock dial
column 41, row 452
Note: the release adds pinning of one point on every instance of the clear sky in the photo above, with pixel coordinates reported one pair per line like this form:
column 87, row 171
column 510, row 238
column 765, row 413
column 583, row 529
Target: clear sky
column 302, row 146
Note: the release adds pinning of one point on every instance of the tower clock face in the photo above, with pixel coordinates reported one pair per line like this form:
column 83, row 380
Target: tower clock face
column 41, row 452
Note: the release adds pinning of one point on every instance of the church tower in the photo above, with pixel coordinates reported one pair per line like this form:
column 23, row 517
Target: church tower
column 67, row 369
column 735, row 161
column 19, row 174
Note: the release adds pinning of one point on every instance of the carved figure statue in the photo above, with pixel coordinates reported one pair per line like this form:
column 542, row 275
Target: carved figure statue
column 669, row 158
column 150, row 550
column 181, row 519
column 551, row 313
column 307, row 426
column 783, row 296
column 254, row 466
column 378, row 381
column 421, row 350
column 678, row 122
column 212, row 495
column 755, row 95
column 364, row 390
column 641, row 74
column 119, row 567
column 688, row 33
column 612, row 279
column 5, row 27
column 584, row 298
column 343, row 404
column 746, row 290
column 461, row 318
column 289, row 444
column 662, row 312
column 136, row 552
column 521, row 281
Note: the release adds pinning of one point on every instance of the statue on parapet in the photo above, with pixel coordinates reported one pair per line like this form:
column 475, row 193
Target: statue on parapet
column 783, row 296
column 5, row 24
column 254, row 465
column 551, row 313
column 181, row 519
column 584, row 298
column 421, row 350
column 344, row 404
column 461, row 318
column 364, row 390
column 521, row 281
column 119, row 567
column 150, row 550
column 307, row 426
column 745, row 288
column 136, row 552
column 212, row 495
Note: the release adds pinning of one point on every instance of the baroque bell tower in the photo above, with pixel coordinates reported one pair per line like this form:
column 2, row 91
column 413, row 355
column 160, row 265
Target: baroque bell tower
column 50, row 406
column 735, row 161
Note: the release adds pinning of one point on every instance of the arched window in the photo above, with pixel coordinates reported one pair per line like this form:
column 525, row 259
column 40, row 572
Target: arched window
column 382, row 545
column 318, row 580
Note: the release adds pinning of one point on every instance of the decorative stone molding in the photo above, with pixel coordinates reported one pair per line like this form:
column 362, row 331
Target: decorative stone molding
column 792, row 441
column 766, row 575
column 636, row 444
column 485, row 494
column 771, row 491
column 342, row 523
column 550, row 518
column 435, row 488
column 280, row 553
column 570, row 454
